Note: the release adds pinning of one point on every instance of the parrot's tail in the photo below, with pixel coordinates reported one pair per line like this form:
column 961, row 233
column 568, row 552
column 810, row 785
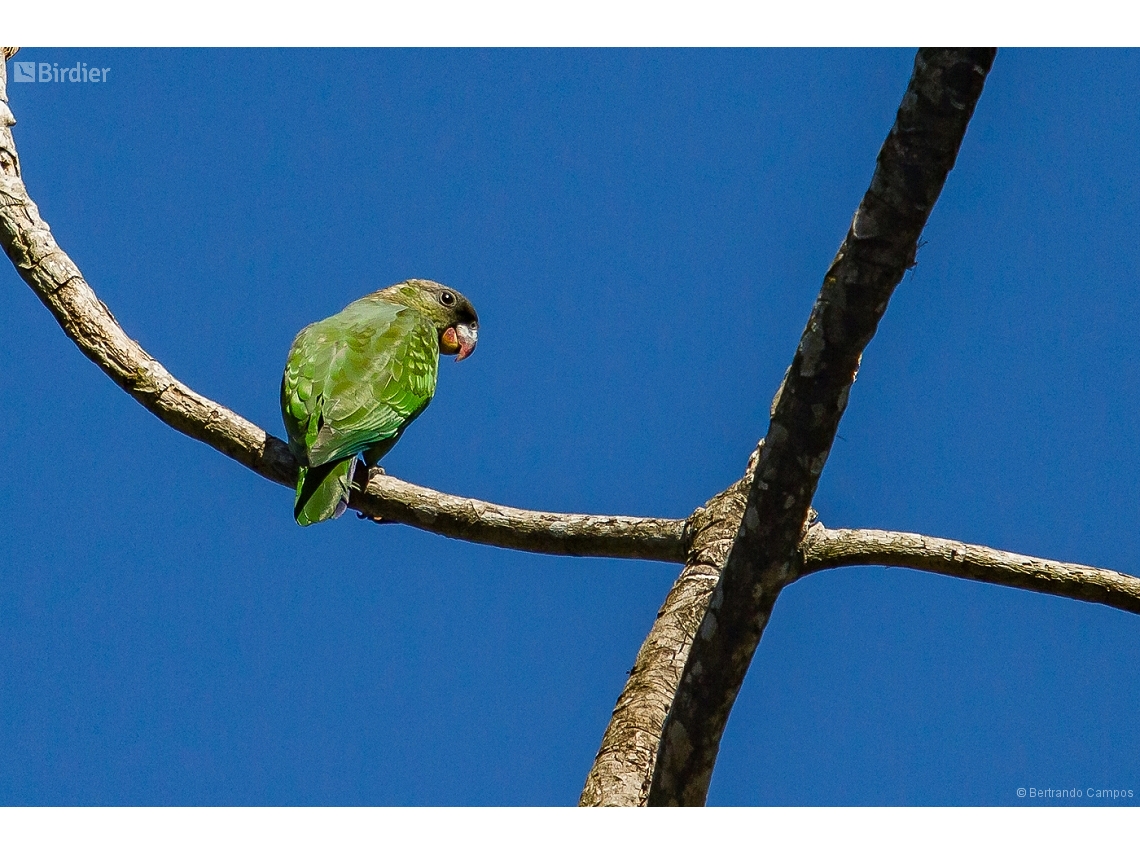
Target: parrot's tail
column 322, row 491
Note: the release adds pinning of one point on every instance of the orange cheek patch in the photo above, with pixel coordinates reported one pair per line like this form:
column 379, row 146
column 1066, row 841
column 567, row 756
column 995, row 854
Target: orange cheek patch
column 449, row 341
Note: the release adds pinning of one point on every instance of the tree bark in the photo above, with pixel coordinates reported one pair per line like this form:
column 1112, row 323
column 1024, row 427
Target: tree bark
column 621, row 772
column 824, row 549
column 880, row 246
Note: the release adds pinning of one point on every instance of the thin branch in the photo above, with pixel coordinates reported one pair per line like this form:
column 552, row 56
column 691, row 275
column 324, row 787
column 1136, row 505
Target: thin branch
column 825, row 549
column 55, row 279
column 880, row 246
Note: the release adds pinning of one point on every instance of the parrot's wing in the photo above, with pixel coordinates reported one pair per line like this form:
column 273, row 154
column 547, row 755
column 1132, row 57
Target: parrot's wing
column 357, row 379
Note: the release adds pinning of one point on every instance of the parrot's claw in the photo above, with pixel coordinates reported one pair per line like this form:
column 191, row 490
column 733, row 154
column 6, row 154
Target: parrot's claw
column 362, row 478
column 377, row 520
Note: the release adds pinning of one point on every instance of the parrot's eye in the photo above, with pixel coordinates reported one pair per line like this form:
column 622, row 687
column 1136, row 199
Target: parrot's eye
column 447, row 298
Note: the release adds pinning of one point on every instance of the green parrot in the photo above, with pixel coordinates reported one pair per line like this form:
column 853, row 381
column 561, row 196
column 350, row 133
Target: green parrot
column 355, row 381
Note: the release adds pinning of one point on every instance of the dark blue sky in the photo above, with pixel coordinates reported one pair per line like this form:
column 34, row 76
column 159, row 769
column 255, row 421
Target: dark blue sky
column 643, row 234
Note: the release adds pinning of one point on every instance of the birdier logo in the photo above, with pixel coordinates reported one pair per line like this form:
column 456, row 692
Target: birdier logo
column 50, row 72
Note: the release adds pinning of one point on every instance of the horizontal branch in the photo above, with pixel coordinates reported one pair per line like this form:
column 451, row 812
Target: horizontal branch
column 56, row 280
column 513, row 528
column 825, row 549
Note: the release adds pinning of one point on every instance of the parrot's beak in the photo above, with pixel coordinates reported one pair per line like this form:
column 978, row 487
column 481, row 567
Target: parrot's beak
column 460, row 340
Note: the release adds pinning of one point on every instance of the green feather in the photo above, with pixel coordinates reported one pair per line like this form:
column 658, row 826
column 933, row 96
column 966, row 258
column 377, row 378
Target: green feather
column 353, row 383
column 322, row 491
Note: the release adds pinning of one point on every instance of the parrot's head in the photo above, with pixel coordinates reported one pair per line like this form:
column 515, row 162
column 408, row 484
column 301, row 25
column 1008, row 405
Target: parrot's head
column 452, row 313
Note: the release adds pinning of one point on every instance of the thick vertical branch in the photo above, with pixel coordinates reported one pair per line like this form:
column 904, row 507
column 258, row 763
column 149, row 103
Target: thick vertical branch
column 880, row 246
column 622, row 769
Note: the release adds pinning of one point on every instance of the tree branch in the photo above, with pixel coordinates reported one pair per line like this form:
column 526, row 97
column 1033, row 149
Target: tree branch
column 623, row 766
column 825, row 549
column 513, row 528
column 55, row 279
column 880, row 246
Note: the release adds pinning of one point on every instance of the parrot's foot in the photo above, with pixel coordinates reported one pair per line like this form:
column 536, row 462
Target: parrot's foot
column 361, row 478
column 361, row 475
